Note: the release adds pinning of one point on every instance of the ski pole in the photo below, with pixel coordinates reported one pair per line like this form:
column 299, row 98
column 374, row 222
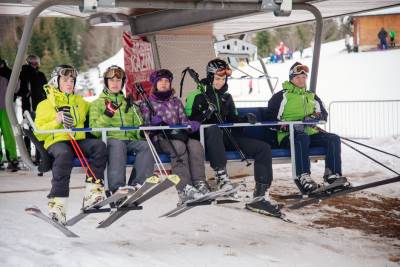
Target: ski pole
column 370, row 147
column 365, row 145
column 82, row 159
column 369, row 157
column 362, row 153
column 140, row 90
column 195, row 77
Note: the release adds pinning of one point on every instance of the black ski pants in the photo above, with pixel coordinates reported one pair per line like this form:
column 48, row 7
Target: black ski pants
column 63, row 153
column 217, row 143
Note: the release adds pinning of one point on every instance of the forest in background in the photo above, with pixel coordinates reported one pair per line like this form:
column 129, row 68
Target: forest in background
column 60, row 40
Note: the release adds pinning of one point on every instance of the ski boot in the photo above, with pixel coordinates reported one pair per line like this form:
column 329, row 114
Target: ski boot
column 94, row 193
column 188, row 193
column 261, row 202
column 223, row 181
column 57, row 209
column 13, row 166
column 203, row 187
column 306, row 184
column 335, row 182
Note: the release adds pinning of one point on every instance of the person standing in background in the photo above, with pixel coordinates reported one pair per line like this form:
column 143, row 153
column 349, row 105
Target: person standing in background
column 31, row 91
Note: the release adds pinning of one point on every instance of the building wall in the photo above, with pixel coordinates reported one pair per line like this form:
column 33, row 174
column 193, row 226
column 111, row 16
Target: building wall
column 176, row 52
column 367, row 29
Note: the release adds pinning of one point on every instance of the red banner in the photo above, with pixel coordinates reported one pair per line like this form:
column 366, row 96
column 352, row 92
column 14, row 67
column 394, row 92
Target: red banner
column 139, row 63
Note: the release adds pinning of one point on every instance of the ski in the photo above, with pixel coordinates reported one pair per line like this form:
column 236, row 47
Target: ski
column 282, row 217
column 204, row 200
column 35, row 211
column 149, row 189
column 96, row 208
column 318, row 198
column 325, row 188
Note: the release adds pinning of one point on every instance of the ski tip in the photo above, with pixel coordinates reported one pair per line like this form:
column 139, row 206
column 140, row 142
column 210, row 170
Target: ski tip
column 32, row 209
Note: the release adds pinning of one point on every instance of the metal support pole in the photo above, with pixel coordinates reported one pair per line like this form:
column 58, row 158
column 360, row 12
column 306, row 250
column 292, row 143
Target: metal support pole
column 317, row 42
column 23, row 45
column 154, row 48
column 104, row 139
column 271, row 88
column 292, row 150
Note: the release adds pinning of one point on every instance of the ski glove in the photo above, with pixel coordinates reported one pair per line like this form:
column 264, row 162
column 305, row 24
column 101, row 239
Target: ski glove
column 156, row 120
column 66, row 117
column 111, row 108
column 251, row 118
column 209, row 111
column 194, row 125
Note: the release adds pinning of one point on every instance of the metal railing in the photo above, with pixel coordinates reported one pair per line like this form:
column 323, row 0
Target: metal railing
column 365, row 119
column 104, row 131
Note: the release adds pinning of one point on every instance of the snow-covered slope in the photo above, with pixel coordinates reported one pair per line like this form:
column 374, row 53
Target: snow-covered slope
column 341, row 76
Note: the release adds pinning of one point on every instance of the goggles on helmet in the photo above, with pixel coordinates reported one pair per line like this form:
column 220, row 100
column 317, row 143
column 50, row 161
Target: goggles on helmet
column 114, row 71
column 225, row 71
column 299, row 69
column 68, row 72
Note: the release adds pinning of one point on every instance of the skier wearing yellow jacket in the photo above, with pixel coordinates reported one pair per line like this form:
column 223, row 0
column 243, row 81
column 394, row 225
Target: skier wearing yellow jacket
column 63, row 109
column 112, row 110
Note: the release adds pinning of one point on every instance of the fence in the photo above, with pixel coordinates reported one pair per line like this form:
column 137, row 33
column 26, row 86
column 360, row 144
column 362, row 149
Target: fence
column 365, row 119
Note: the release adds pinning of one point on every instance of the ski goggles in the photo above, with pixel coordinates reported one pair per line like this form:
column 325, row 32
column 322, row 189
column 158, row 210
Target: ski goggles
column 222, row 72
column 112, row 72
column 299, row 69
column 68, row 72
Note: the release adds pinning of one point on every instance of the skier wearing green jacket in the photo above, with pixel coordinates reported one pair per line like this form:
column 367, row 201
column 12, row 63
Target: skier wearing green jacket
column 296, row 103
column 112, row 110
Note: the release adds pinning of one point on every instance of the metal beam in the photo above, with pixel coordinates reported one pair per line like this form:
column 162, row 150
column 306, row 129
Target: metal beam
column 216, row 5
column 12, row 84
column 317, row 42
column 172, row 19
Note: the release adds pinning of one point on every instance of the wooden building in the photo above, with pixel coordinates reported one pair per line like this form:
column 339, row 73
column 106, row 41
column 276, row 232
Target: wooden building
column 367, row 25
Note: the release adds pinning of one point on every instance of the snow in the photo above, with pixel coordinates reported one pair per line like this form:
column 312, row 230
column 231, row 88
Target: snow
column 214, row 235
column 341, row 76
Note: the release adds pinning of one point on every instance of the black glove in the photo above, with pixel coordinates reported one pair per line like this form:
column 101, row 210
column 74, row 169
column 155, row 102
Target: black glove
column 67, row 119
column 209, row 111
column 251, row 118
column 111, row 108
column 129, row 102
column 313, row 117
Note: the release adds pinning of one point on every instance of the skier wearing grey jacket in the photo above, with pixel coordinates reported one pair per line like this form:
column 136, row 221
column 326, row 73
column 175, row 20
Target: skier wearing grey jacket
column 112, row 110
column 187, row 154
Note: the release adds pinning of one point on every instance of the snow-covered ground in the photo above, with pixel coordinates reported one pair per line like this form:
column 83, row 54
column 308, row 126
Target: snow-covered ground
column 359, row 230
column 203, row 236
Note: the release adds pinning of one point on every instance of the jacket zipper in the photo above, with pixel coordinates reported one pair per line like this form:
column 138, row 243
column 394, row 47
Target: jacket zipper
column 120, row 114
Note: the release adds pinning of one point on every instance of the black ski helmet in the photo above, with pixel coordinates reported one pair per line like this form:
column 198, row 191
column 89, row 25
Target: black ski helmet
column 215, row 66
column 114, row 71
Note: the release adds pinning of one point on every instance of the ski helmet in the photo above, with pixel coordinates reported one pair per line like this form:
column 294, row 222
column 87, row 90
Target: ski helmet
column 62, row 70
column 114, row 71
column 158, row 74
column 33, row 60
column 219, row 67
